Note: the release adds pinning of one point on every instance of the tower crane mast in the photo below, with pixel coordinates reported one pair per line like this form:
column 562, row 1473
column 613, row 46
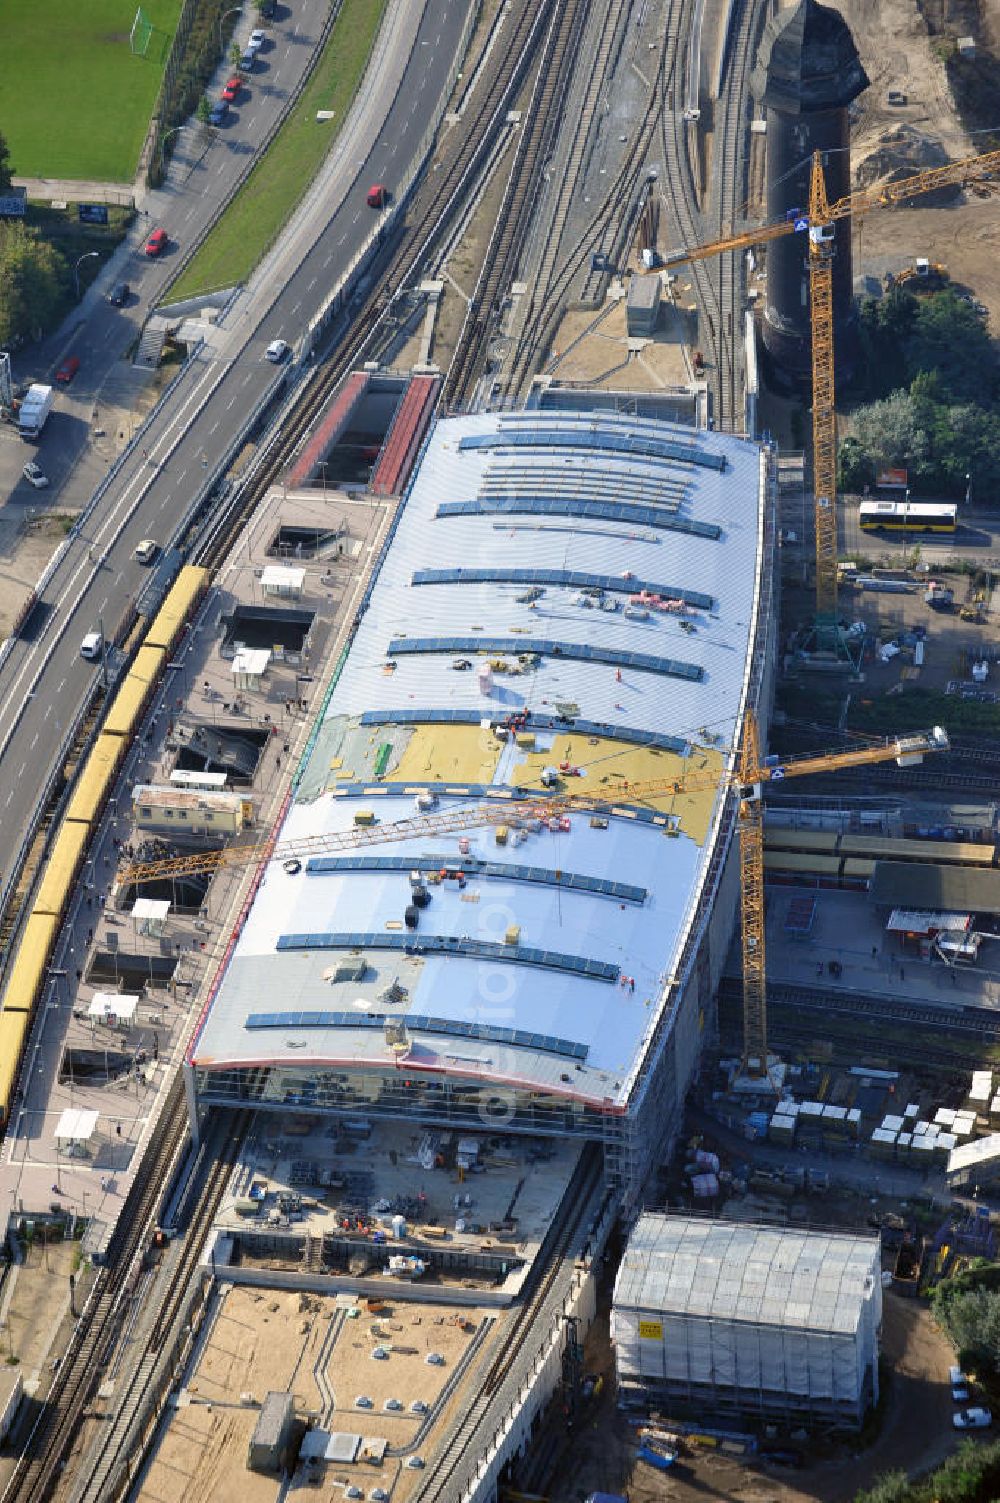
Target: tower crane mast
column 819, row 224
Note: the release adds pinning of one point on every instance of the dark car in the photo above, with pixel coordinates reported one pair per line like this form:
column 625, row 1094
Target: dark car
column 218, row 112
column 119, row 294
column 68, row 370
column 247, row 62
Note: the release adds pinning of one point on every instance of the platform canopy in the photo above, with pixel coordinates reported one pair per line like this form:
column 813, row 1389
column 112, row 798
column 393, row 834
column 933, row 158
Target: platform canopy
column 76, row 1125
column 151, row 914
column 280, row 579
column 118, row 1005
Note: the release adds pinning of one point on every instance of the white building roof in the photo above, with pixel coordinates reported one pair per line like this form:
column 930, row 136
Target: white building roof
column 733, row 1271
column 974, row 1155
column 524, row 539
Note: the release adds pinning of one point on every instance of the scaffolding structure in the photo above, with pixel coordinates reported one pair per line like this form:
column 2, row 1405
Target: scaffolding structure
column 753, row 1321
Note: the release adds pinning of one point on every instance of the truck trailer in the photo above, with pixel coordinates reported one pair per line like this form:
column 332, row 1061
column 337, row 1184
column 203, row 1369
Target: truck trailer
column 34, row 411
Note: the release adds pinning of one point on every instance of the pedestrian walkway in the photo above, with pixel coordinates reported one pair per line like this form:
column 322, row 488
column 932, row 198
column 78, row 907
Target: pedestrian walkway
column 77, row 190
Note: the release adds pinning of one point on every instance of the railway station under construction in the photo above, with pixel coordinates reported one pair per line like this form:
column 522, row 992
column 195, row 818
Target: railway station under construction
column 569, row 603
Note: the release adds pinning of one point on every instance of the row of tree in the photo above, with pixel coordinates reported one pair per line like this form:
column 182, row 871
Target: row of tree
column 33, row 275
column 929, row 370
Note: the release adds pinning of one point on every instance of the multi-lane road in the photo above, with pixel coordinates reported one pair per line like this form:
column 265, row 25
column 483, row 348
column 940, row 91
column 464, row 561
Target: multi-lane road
column 44, row 681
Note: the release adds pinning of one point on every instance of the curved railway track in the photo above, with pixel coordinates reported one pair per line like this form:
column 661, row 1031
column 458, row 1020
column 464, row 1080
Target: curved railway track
column 112, row 1454
column 38, row 1468
column 536, row 138
column 444, row 1482
column 435, row 204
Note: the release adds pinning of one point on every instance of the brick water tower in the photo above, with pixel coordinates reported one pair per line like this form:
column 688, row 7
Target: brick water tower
column 807, row 73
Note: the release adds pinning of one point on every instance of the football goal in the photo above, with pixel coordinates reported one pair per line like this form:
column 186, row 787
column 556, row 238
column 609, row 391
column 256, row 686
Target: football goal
column 141, row 34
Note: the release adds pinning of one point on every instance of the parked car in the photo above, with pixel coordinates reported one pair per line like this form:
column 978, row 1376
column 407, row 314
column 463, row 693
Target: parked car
column 378, row 196
column 247, row 61
column 146, row 551
column 232, row 90
column 119, row 294
column 276, row 351
column 959, row 1385
column 972, row 1419
column 33, row 475
column 157, row 243
column 68, row 370
column 218, row 112
column 257, row 40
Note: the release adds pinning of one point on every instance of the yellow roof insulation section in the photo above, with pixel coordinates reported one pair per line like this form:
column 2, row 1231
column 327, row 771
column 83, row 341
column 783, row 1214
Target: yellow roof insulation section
column 13, row 1032
column 132, row 697
column 186, row 589
column 94, row 782
column 451, row 753
column 61, row 867
column 606, row 765
column 28, row 971
column 460, row 754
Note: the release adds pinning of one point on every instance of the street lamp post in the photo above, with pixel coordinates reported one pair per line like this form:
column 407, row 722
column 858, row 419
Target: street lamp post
column 236, row 10
column 88, row 256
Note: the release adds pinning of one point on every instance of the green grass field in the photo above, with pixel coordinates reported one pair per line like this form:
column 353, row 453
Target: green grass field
column 281, row 177
column 74, row 101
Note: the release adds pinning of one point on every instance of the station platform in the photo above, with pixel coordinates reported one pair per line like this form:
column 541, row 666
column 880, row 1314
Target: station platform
column 115, row 1059
column 405, row 436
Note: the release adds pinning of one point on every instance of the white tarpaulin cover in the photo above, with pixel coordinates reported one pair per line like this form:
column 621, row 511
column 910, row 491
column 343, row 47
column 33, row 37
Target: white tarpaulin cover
column 76, row 1125
column 730, row 1305
column 118, row 1005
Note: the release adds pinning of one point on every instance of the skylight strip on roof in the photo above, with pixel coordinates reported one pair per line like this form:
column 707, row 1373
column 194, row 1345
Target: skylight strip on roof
column 583, row 652
column 449, row 944
column 593, row 437
column 634, row 735
column 597, row 511
column 572, row 578
column 474, row 866
column 421, row 1023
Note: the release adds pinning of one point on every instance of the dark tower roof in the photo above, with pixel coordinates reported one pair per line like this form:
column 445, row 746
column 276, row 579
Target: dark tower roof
column 807, row 61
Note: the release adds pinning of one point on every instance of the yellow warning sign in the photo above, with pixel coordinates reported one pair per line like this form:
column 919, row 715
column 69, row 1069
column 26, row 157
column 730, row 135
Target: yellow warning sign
column 651, row 1330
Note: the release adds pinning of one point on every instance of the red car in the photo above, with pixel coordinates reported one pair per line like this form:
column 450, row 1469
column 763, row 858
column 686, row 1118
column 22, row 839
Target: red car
column 157, row 243
column 231, row 92
column 68, row 370
column 378, row 196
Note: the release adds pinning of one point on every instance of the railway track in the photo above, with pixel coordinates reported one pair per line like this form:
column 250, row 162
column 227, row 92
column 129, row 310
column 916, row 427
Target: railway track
column 913, row 1033
column 435, row 206
column 38, row 1468
column 726, row 214
column 108, row 1464
column 609, row 230
column 444, row 1482
column 537, row 135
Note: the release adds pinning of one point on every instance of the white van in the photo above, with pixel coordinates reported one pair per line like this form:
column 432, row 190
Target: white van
column 92, row 646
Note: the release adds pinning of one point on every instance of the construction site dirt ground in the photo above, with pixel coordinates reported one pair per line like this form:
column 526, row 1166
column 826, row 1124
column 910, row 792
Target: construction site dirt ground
column 898, row 52
column 915, row 1433
column 260, row 1341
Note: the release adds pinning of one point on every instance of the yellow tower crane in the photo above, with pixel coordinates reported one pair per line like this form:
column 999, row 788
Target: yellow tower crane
column 747, row 780
column 820, row 223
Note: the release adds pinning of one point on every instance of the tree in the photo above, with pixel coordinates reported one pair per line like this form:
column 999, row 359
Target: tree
column 888, row 432
column 32, row 276
column 235, row 53
column 204, row 109
column 5, row 167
